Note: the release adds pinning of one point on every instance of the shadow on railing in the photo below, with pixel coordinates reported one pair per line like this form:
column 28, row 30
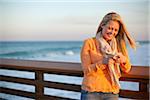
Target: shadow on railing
column 139, row 74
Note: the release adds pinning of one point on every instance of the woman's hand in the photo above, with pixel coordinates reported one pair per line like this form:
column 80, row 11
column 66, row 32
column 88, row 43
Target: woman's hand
column 111, row 61
column 120, row 58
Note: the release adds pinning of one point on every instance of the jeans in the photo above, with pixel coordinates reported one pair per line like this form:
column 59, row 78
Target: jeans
column 85, row 95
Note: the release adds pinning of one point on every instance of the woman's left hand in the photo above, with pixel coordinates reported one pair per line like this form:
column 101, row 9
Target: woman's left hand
column 120, row 58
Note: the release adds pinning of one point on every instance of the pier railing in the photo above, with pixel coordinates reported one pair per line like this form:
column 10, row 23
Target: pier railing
column 138, row 74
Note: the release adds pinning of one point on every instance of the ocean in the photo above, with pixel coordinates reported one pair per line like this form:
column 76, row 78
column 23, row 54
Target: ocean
column 63, row 51
column 66, row 51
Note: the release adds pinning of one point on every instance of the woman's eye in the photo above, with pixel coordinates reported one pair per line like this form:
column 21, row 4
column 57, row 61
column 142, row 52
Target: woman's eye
column 116, row 30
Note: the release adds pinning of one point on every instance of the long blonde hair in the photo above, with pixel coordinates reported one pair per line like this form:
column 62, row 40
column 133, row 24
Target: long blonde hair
column 122, row 33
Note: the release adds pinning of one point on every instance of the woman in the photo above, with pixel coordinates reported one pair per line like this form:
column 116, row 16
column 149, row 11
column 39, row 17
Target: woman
column 103, row 57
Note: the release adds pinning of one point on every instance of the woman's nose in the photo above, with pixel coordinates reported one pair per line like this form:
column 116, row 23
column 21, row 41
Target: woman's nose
column 112, row 31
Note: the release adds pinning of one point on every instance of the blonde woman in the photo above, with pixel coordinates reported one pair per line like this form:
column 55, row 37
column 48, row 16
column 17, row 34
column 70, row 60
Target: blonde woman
column 103, row 57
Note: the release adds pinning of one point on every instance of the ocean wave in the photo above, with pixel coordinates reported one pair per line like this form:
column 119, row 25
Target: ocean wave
column 60, row 49
column 39, row 53
column 65, row 53
column 69, row 53
column 15, row 53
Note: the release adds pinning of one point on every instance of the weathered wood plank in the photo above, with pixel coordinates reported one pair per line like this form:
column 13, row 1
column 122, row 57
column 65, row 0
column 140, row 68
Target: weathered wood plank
column 64, row 67
column 134, row 94
column 17, row 92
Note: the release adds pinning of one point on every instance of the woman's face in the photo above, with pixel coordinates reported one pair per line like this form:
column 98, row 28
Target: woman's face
column 110, row 30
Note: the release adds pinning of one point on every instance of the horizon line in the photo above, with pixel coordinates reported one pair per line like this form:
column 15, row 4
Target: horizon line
column 52, row 40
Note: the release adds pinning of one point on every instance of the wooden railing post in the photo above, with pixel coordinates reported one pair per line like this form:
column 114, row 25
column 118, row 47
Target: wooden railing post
column 39, row 87
column 143, row 87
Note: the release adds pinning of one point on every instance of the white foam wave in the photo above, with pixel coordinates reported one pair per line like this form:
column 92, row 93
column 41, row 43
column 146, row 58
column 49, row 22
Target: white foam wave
column 69, row 53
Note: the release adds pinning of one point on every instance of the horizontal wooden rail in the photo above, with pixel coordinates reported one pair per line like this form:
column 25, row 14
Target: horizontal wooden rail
column 17, row 80
column 17, row 92
column 138, row 74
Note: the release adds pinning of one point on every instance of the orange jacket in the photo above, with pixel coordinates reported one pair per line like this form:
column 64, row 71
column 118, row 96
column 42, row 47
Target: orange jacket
column 96, row 74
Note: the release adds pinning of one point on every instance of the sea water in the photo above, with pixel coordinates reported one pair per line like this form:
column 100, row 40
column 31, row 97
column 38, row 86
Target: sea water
column 64, row 51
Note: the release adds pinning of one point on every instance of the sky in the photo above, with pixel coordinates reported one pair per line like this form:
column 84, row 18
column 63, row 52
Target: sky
column 76, row 20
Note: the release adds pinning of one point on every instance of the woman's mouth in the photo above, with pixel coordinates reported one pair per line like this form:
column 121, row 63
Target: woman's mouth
column 109, row 33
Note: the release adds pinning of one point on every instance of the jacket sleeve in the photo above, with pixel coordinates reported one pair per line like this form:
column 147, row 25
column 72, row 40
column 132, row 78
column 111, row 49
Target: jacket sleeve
column 87, row 65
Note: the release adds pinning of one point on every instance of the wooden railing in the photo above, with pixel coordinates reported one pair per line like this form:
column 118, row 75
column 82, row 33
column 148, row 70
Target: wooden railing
column 139, row 74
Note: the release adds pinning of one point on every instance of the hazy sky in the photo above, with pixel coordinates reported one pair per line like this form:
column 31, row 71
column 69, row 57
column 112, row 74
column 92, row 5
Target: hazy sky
column 68, row 19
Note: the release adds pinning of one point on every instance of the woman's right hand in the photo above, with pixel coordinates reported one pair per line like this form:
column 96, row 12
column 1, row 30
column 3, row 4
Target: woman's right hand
column 120, row 58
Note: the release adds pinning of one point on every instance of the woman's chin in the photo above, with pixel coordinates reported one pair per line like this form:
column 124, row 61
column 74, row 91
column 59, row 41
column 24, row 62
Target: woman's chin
column 108, row 39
